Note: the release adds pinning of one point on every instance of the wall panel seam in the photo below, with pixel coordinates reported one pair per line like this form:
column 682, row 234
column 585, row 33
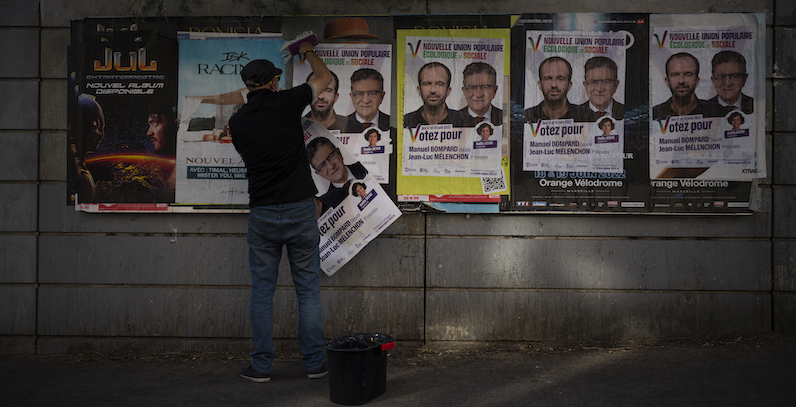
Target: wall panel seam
column 599, row 291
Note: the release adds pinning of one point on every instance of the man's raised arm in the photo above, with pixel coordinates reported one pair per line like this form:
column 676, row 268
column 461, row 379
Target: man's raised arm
column 321, row 77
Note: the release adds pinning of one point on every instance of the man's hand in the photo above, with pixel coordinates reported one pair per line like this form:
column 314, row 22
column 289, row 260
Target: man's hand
column 302, row 49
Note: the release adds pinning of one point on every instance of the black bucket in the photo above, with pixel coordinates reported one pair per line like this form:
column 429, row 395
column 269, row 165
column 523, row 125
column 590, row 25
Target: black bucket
column 358, row 367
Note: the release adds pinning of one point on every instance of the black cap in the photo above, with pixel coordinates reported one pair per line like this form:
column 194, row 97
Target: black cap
column 259, row 72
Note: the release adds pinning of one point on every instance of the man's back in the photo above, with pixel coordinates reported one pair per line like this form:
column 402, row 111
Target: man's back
column 267, row 134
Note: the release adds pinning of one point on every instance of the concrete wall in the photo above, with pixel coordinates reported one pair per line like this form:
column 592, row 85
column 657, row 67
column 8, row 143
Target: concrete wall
column 73, row 281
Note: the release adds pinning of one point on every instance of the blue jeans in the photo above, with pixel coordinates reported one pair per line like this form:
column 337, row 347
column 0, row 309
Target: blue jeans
column 271, row 227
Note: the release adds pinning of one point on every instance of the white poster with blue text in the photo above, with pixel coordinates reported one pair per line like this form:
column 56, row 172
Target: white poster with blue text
column 574, row 99
column 453, row 106
column 354, row 209
column 706, row 99
column 355, row 107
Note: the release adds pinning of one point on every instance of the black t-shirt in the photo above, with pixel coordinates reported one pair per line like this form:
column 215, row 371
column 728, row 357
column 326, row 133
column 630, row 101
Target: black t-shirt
column 267, row 133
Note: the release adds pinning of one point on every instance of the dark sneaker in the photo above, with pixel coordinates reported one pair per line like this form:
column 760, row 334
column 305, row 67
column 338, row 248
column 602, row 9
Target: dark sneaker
column 254, row 375
column 318, row 373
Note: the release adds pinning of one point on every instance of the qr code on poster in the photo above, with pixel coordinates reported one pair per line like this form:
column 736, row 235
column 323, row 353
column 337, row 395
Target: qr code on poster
column 493, row 185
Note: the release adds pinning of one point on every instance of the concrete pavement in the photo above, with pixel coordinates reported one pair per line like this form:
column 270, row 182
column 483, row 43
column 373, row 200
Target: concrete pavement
column 742, row 370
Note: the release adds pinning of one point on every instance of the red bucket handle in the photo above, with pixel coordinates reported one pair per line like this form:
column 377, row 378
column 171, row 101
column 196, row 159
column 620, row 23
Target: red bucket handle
column 387, row 346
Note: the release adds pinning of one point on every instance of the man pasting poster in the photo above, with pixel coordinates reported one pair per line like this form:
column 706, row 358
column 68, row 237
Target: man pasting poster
column 354, row 208
column 703, row 122
column 574, row 98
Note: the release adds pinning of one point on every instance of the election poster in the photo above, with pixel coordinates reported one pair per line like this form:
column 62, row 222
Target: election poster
column 360, row 117
column 707, row 105
column 703, row 103
column 121, row 126
column 454, row 115
column 579, row 143
column 359, row 106
column 571, row 125
column 209, row 170
column 354, row 207
column 441, row 140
